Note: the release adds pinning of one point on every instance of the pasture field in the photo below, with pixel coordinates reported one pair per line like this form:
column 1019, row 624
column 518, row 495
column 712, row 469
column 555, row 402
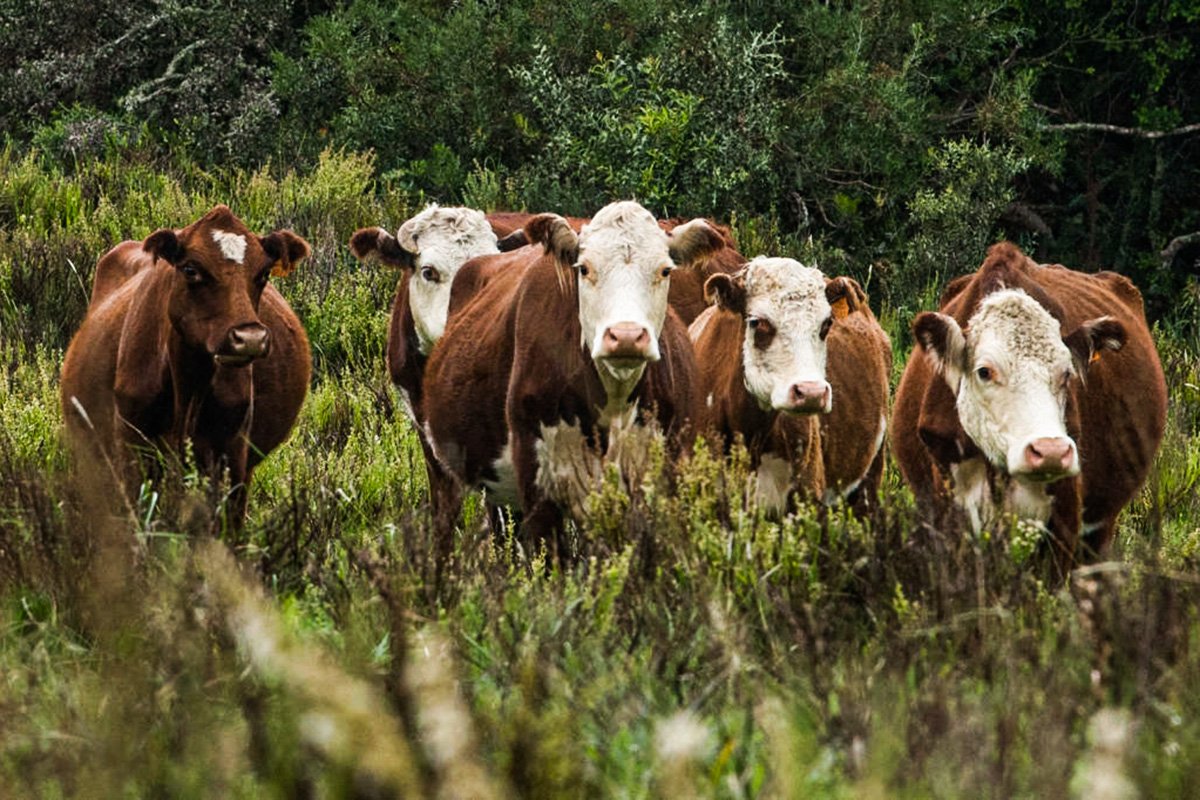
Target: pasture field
column 692, row 648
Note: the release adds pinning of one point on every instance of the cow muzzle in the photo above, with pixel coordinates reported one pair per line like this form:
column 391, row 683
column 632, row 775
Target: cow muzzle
column 243, row 344
column 1049, row 458
column 809, row 397
column 628, row 341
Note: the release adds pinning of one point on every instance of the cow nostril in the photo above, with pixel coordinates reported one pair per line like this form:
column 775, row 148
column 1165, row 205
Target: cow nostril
column 626, row 340
column 249, row 340
column 1049, row 454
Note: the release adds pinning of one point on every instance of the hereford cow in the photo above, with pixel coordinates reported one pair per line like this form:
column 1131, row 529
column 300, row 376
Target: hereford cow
column 185, row 340
column 1036, row 391
column 765, row 350
column 542, row 367
column 430, row 250
column 859, row 368
column 686, row 295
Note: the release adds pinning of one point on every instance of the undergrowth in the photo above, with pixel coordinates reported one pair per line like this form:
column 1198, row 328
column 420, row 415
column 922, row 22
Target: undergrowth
column 689, row 646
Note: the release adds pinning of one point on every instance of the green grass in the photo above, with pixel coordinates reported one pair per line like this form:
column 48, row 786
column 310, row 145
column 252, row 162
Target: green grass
column 692, row 648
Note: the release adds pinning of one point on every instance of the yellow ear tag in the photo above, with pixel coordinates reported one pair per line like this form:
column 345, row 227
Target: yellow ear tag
column 841, row 308
column 1095, row 356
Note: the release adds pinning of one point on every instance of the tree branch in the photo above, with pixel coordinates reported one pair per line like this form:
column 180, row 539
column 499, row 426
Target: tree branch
column 1138, row 132
column 1178, row 243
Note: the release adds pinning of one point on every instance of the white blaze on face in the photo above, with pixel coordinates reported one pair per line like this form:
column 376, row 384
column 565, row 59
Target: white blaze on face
column 442, row 239
column 233, row 245
column 787, row 317
column 624, row 254
column 1012, row 390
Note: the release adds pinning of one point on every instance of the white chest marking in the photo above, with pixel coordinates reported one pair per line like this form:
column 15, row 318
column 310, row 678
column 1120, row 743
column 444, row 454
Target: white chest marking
column 1026, row 500
column 773, row 481
column 233, row 245
column 570, row 470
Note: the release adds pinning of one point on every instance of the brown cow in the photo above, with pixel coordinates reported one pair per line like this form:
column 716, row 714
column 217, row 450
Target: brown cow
column 185, row 340
column 859, row 368
column 1037, row 391
column 765, row 350
column 541, row 369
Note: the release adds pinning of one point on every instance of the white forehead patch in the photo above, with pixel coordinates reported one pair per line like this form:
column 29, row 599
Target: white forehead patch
column 233, row 245
column 1021, row 324
column 621, row 230
column 784, row 282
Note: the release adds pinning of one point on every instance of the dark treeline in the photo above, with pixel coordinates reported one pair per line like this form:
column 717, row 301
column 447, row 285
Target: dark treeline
column 901, row 136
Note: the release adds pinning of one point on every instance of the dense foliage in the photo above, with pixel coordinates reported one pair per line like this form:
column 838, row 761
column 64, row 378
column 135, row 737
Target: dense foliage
column 692, row 647
column 882, row 129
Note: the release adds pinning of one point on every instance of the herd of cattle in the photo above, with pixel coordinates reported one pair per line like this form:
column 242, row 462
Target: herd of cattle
column 533, row 350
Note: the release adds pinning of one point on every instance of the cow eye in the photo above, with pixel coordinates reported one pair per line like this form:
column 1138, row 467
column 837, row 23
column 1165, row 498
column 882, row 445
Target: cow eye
column 430, row 274
column 764, row 332
column 984, row 374
column 191, row 273
column 582, row 268
column 825, row 326
column 666, row 272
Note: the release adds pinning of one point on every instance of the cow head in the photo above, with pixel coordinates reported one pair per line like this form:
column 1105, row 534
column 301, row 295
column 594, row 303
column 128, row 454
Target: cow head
column 788, row 309
column 220, row 271
column 621, row 263
column 1013, row 373
column 431, row 247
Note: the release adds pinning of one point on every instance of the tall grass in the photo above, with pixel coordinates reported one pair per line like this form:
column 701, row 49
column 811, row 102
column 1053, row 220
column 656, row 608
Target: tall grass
column 690, row 647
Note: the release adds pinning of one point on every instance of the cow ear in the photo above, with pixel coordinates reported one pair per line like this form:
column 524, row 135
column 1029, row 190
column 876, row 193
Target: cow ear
column 944, row 345
column 693, row 241
column 727, row 291
column 845, row 296
column 514, row 241
column 286, row 249
column 1091, row 338
column 367, row 243
column 411, row 231
column 554, row 234
column 164, row 243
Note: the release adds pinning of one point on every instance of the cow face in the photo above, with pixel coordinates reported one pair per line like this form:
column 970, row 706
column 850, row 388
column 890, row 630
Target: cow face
column 622, row 263
column 220, row 271
column 432, row 245
column 788, row 310
column 1013, row 373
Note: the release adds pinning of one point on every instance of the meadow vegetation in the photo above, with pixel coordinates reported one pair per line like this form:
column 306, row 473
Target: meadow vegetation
column 690, row 647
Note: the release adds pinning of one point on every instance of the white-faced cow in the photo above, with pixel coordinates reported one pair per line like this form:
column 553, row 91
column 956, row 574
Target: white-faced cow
column 686, row 295
column 1036, row 391
column 430, row 249
column 185, row 340
column 763, row 351
column 541, row 367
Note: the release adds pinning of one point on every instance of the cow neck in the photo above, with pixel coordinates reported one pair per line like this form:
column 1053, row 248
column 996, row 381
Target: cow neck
column 406, row 362
column 742, row 413
column 619, row 392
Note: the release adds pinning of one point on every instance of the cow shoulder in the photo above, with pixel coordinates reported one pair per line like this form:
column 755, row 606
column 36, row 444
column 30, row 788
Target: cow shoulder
column 116, row 267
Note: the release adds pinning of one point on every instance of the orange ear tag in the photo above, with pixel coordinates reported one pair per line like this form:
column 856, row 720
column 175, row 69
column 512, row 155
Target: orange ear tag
column 1095, row 356
column 841, row 308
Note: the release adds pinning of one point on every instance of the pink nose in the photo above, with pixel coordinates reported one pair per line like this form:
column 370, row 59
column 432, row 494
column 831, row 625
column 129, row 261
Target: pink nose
column 809, row 397
column 1049, row 455
column 625, row 340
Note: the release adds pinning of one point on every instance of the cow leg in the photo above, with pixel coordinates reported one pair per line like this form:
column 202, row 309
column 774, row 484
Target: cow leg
column 445, row 497
column 1097, row 536
column 542, row 519
column 866, row 495
column 1063, row 536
